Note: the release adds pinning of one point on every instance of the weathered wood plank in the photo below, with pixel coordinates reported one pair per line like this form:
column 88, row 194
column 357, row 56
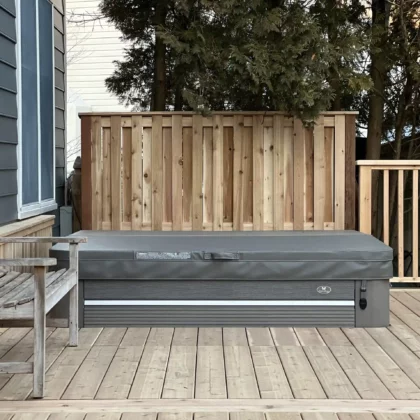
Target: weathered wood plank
column 339, row 172
column 259, row 337
column 88, row 378
column 329, row 174
column 272, row 380
column 258, row 173
column 210, row 376
column 408, row 362
column 302, row 379
column 210, row 337
column 185, row 337
column 119, row 377
column 278, row 180
column 147, row 176
column 177, row 172
column 227, row 174
column 208, row 176
column 116, row 207
column 332, row 378
column 284, row 337
column 247, row 162
column 238, row 173
column 135, row 337
column 288, row 173
column 309, row 175
column 217, row 172
column 319, row 174
column 385, row 368
column 110, row 337
column 180, row 373
column 240, row 374
column 268, row 185
column 150, row 375
column 157, row 173
column 235, row 337
column 197, row 173
column 106, row 176
column 126, row 174
column 67, row 364
column 187, row 138
column 167, row 175
column 96, row 172
column 137, row 173
column 298, row 175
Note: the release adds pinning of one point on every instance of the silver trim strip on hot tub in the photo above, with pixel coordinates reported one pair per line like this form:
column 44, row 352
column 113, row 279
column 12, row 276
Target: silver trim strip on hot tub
column 219, row 302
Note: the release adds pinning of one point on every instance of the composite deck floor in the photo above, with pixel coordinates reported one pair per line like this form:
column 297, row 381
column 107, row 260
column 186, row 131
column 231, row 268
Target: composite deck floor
column 226, row 374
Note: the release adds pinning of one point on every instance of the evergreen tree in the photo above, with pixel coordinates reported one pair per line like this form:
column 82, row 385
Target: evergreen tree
column 235, row 54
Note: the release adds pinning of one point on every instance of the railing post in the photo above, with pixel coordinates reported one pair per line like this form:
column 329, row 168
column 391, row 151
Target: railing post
column 365, row 201
column 86, row 148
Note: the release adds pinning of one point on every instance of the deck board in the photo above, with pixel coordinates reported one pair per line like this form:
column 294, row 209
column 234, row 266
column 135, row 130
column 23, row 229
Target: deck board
column 171, row 365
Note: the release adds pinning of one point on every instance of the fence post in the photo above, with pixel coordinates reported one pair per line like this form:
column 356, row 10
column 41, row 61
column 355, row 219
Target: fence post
column 86, row 149
column 365, row 201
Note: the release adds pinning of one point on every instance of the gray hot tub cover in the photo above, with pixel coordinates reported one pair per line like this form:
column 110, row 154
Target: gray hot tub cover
column 286, row 255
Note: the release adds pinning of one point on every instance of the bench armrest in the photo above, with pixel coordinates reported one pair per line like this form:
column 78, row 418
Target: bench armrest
column 42, row 240
column 28, row 262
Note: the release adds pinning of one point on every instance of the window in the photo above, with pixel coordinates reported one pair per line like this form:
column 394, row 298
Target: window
column 35, row 49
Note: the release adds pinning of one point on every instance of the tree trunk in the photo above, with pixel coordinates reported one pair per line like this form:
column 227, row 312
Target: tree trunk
column 178, row 98
column 378, row 73
column 159, row 83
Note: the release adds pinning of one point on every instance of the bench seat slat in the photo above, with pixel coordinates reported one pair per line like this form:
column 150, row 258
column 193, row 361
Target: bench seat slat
column 21, row 283
column 7, row 278
column 13, row 285
column 26, row 294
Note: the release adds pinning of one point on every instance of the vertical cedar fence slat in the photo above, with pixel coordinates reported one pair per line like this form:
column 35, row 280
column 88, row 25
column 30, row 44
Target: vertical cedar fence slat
column 227, row 171
column 407, row 211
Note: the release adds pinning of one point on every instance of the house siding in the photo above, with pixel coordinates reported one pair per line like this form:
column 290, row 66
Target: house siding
column 8, row 112
column 60, row 107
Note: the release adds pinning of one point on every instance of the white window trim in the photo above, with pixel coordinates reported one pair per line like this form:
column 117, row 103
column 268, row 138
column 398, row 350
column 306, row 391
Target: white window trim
column 42, row 206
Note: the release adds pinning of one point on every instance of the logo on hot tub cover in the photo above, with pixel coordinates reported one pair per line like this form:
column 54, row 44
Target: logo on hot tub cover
column 323, row 290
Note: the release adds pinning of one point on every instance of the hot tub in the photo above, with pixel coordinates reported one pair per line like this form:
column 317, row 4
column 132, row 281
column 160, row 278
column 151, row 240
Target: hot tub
column 311, row 278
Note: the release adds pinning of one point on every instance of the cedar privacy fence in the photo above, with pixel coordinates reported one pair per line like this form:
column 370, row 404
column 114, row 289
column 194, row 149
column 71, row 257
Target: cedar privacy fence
column 228, row 171
column 404, row 223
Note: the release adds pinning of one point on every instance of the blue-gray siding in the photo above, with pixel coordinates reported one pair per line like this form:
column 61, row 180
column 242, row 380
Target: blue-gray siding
column 8, row 112
column 8, row 109
column 60, row 106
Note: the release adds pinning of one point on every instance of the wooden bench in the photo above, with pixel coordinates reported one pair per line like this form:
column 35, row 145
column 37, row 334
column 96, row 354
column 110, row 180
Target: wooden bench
column 27, row 296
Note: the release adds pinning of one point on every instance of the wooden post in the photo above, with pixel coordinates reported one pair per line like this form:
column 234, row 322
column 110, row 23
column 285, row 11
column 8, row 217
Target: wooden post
column 386, row 206
column 86, row 134
column 74, row 298
column 400, row 223
column 415, row 263
column 365, row 187
column 39, row 331
column 350, row 171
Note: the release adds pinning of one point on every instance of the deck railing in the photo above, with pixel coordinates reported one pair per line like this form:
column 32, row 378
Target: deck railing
column 404, row 190
column 228, row 171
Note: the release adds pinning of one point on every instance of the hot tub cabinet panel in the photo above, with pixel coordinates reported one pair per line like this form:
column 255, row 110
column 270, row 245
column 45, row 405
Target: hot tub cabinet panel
column 323, row 279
